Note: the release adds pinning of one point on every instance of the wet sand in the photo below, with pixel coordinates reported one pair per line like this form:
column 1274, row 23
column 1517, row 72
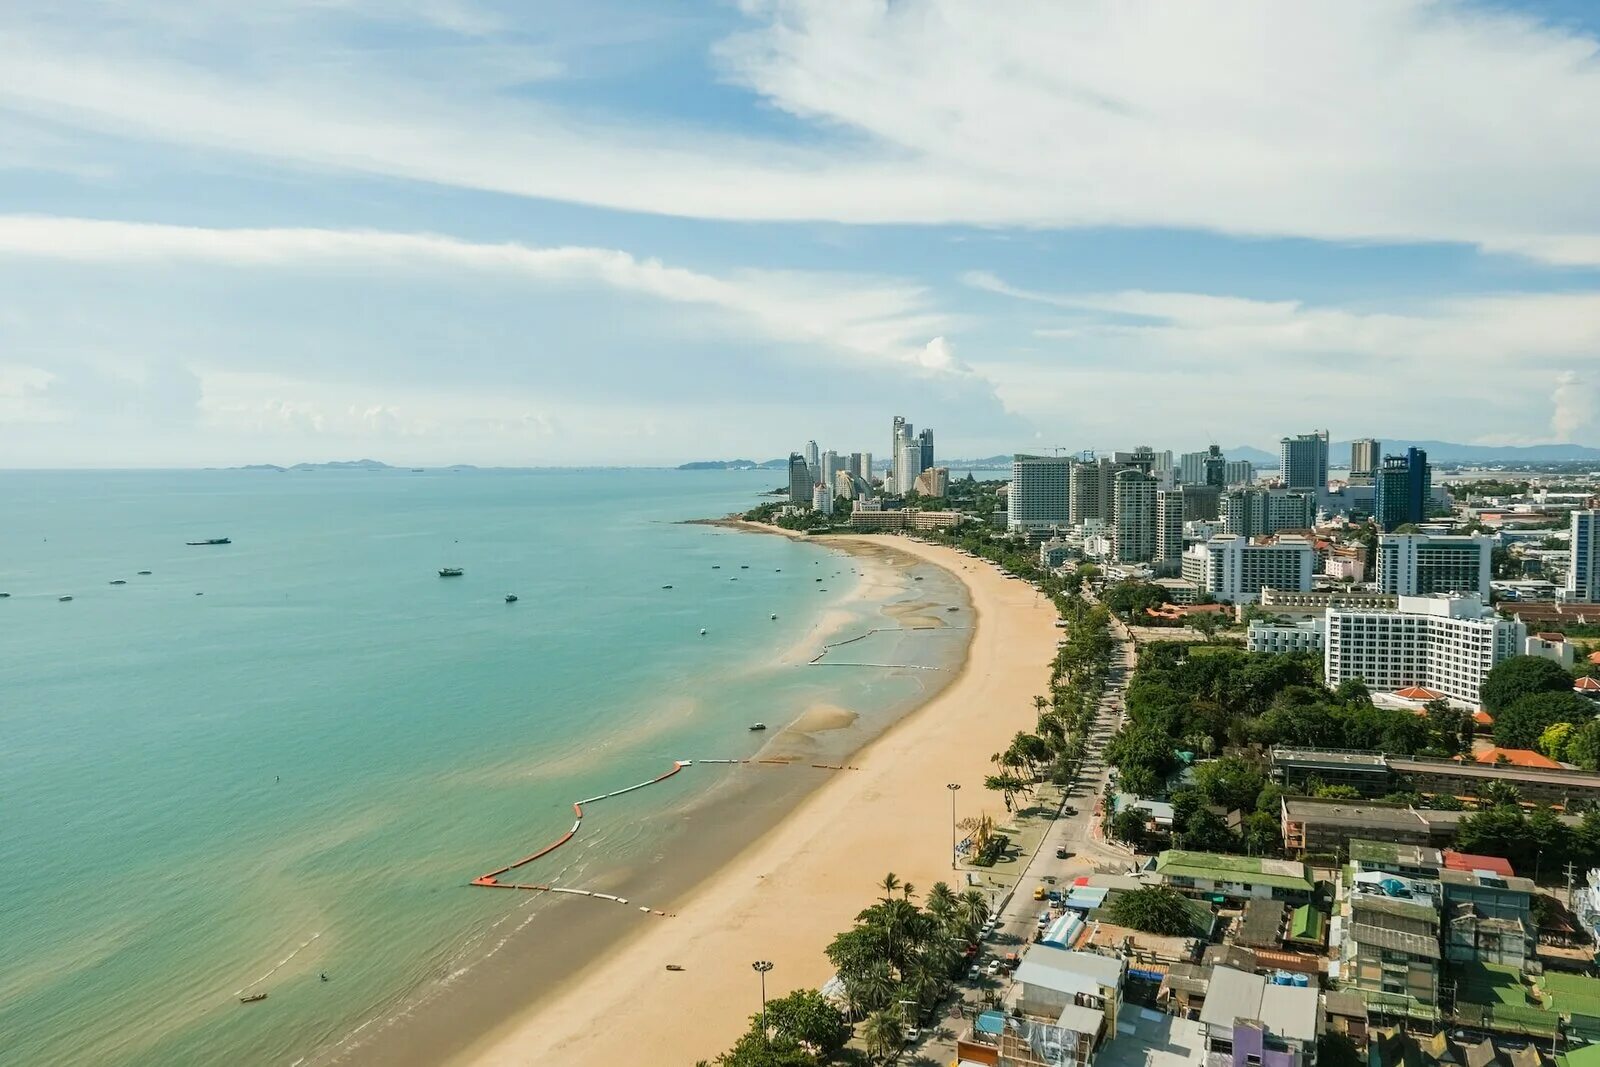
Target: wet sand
column 783, row 897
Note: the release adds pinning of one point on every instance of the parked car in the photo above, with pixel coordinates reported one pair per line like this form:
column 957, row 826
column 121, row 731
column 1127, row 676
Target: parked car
column 972, row 973
column 1038, row 892
column 994, row 967
column 1062, row 853
column 913, row 1035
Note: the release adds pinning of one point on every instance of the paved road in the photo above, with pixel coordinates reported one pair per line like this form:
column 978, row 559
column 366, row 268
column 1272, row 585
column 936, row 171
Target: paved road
column 1075, row 833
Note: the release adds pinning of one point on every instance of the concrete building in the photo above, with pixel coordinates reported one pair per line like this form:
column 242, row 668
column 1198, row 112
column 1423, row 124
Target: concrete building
column 1093, row 491
column 1134, row 507
column 1203, row 468
column 1308, row 603
column 1234, row 570
column 799, row 479
column 1209, row 874
column 1276, row 638
column 1247, row 1021
column 1390, row 951
column 871, row 518
column 925, row 443
column 1583, row 567
column 1551, row 646
column 813, row 461
column 1169, row 525
column 1055, row 553
column 844, row 484
column 1363, row 460
column 1252, row 511
column 832, row 464
column 1372, row 774
column 1303, row 462
column 1040, row 494
column 1402, row 489
column 905, row 456
column 1488, row 918
column 1053, row 978
column 1238, row 472
column 933, row 482
column 822, row 499
column 1426, row 564
column 863, row 462
column 1443, row 643
column 1201, row 502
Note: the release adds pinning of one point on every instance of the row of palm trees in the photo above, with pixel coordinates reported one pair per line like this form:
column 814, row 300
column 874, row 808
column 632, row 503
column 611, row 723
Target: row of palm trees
column 899, row 959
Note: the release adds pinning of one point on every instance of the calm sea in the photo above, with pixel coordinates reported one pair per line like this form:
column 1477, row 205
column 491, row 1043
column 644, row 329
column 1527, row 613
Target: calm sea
column 287, row 755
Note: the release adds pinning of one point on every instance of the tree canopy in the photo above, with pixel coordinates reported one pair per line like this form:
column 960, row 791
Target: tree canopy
column 1512, row 679
column 1521, row 724
column 1156, row 909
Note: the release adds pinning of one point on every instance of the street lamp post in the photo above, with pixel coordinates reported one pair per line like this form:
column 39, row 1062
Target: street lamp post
column 762, row 967
column 953, row 786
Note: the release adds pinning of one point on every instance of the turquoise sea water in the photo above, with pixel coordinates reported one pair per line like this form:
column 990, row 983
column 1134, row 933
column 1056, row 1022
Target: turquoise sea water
column 288, row 754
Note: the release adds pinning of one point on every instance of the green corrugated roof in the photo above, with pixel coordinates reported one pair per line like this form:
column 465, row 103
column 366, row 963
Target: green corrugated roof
column 1220, row 868
column 1586, row 1056
column 1307, row 924
column 1573, row 994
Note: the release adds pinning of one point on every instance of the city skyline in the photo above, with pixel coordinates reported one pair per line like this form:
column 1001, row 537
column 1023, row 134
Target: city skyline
column 447, row 231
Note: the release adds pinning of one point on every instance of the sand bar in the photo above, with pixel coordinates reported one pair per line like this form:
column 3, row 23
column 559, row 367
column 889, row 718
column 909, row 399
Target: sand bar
column 789, row 892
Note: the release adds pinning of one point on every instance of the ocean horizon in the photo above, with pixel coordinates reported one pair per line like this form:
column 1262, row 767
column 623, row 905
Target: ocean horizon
column 289, row 754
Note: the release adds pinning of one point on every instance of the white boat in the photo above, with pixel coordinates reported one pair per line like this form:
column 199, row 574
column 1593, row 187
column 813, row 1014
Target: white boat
column 758, row 726
column 774, row 615
column 702, row 631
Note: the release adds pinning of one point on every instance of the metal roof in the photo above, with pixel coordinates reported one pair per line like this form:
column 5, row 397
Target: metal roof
column 1280, row 874
column 1288, row 1011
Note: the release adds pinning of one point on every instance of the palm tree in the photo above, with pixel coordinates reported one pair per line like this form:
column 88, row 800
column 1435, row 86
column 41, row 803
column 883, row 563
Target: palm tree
column 906, row 889
column 972, row 911
column 1039, row 703
column 889, row 884
column 882, row 1034
column 941, row 901
column 1498, row 792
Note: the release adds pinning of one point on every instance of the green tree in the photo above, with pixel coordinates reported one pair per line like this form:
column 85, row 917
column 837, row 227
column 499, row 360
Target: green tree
column 1127, row 826
column 1521, row 724
column 1583, row 747
column 1498, row 793
column 1520, row 676
column 1207, row 832
column 1338, row 792
column 1230, row 782
column 807, row 1018
column 882, row 1034
column 755, row 1049
column 1153, row 909
column 1553, row 741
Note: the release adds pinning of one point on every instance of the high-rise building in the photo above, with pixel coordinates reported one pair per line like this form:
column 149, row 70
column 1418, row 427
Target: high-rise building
column 1426, row 564
column 1163, row 463
column 799, row 479
column 852, row 463
column 1303, row 461
column 1445, row 643
column 907, row 455
column 1203, row 468
column 848, row 485
column 831, row 465
column 822, row 498
column 1291, row 511
column 934, row 482
column 1216, row 467
column 1583, row 571
column 1238, row 472
column 1169, row 525
column 1134, row 493
column 1364, row 460
column 1093, row 494
column 813, row 460
column 1201, row 502
column 1233, row 569
column 1039, row 497
column 1243, row 512
column 1402, row 489
column 864, row 466
column 925, row 439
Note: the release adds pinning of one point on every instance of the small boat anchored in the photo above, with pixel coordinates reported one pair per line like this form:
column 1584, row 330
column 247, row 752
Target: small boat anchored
column 702, row 631
column 511, row 598
column 252, row 998
column 755, row 726
column 774, row 615
column 212, row 541
column 451, row 572
column 144, row 572
column 119, row 581
column 666, row 587
column 63, row 599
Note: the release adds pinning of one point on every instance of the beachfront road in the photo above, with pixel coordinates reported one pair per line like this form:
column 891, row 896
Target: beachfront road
column 1077, row 833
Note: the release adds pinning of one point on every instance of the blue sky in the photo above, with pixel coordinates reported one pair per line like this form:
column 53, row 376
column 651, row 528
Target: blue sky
column 624, row 232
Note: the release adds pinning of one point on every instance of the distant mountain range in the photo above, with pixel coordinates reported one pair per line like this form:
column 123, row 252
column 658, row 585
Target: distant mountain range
column 335, row 465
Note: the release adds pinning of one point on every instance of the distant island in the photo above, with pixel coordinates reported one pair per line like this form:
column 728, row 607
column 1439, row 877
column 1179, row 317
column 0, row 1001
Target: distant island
column 733, row 465
column 335, row 465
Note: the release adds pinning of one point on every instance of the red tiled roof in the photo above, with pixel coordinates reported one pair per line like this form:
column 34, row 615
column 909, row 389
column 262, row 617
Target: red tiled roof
column 1466, row 861
column 1517, row 757
column 1594, row 657
column 1418, row 692
column 1554, row 638
column 1587, row 685
column 1482, row 718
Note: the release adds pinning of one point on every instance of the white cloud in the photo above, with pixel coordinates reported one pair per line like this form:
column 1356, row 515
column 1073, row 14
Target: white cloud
column 1392, row 121
column 1573, row 402
column 874, row 319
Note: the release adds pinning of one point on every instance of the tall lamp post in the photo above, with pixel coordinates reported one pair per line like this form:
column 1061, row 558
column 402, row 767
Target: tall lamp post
column 953, row 786
column 762, row 967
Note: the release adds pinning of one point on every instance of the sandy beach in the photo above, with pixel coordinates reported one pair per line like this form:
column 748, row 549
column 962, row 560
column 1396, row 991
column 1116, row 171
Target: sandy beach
column 788, row 893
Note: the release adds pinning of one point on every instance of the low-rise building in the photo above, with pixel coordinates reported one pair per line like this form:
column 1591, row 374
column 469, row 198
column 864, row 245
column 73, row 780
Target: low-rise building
column 1177, row 590
column 1276, row 637
column 1314, row 603
column 1390, row 952
column 1551, row 646
column 1210, row 874
column 1235, row 570
column 1488, row 918
column 1250, row 1022
column 1373, row 774
column 1051, row 979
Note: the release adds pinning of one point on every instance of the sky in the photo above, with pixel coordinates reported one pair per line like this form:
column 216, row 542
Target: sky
column 654, row 231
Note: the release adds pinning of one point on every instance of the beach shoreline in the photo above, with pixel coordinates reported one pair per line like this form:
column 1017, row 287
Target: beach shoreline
column 783, row 896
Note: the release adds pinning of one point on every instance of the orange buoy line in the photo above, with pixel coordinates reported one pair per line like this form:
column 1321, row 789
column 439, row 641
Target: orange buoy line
column 491, row 880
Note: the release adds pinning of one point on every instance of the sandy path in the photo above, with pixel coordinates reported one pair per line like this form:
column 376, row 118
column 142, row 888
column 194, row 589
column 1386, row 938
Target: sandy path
column 785, row 896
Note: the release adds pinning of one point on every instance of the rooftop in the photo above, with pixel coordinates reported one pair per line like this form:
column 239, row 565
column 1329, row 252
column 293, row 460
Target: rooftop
column 1308, row 924
column 1353, row 813
column 1573, row 994
column 1262, row 923
column 1364, row 851
column 1467, row 861
column 1517, row 757
column 1069, row 972
column 1328, row 757
column 1288, row 1011
column 1486, row 879
column 1280, row 874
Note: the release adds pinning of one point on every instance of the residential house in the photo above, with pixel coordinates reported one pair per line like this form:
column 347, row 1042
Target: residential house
column 1248, row 1022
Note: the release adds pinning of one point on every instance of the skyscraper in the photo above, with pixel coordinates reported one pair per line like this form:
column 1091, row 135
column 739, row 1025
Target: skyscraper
column 1203, row 468
column 1093, row 494
column 1363, row 460
column 925, row 439
column 799, row 479
column 812, row 459
column 831, row 465
column 1425, row 564
column 1039, row 496
column 864, row 466
column 1303, row 461
column 1135, row 515
column 1169, row 525
column 1401, row 489
column 1583, row 572
column 1238, row 472
column 906, row 459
